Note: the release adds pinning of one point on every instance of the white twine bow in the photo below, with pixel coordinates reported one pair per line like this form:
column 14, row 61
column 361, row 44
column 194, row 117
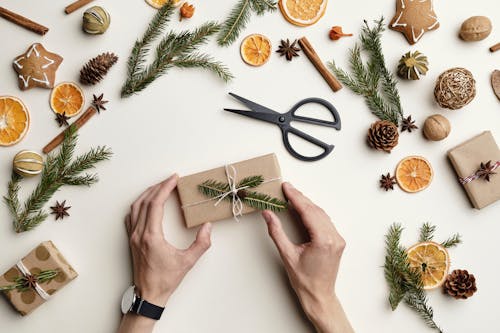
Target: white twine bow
column 25, row 271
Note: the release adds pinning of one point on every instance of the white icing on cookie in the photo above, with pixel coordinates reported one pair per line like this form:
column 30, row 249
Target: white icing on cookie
column 45, row 81
column 33, row 49
column 16, row 62
column 25, row 80
column 416, row 38
column 397, row 24
column 49, row 63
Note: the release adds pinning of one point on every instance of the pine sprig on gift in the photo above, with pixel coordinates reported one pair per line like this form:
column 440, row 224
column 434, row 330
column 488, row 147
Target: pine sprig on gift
column 213, row 188
column 22, row 283
column 252, row 181
column 263, row 201
column 176, row 49
column 405, row 283
column 58, row 170
column 372, row 80
column 240, row 16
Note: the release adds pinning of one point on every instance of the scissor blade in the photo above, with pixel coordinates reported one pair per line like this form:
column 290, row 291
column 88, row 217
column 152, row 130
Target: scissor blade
column 252, row 105
column 270, row 118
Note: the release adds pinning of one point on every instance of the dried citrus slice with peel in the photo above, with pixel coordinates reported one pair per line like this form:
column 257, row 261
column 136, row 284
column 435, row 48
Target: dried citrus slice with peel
column 67, row 98
column 303, row 12
column 159, row 3
column 255, row 49
column 432, row 261
column 14, row 120
column 414, row 174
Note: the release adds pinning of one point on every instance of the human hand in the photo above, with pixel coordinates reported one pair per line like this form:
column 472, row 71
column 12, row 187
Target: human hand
column 312, row 267
column 158, row 266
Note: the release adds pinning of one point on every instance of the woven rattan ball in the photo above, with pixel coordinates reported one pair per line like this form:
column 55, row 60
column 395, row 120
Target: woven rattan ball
column 455, row 88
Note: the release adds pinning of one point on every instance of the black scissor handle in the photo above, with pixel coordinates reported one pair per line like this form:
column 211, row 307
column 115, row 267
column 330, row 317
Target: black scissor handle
column 286, row 129
column 329, row 106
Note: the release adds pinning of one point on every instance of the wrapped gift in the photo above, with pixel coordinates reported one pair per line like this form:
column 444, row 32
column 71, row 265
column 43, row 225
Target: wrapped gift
column 198, row 208
column 475, row 162
column 36, row 277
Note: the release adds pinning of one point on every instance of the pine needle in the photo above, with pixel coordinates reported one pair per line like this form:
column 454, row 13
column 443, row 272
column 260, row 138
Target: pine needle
column 427, row 232
column 452, row 241
column 262, row 201
column 240, row 16
column 175, row 49
column 57, row 171
column 372, row 80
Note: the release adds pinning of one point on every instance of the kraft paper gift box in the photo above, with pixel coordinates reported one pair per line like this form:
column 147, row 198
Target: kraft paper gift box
column 467, row 158
column 198, row 208
column 44, row 257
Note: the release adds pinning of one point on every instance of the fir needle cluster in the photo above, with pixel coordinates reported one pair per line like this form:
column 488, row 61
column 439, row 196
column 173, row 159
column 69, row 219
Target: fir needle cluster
column 23, row 283
column 215, row 189
column 240, row 16
column 405, row 283
column 175, row 49
column 372, row 80
column 59, row 170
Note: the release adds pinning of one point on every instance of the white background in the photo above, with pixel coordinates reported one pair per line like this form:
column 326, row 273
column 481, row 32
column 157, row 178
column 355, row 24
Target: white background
column 177, row 124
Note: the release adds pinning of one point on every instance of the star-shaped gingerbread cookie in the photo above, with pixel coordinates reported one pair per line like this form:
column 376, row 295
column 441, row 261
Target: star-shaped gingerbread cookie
column 36, row 67
column 413, row 18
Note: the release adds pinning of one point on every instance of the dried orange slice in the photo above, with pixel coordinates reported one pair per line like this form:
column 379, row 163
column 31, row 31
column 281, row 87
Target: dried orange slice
column 159, row 3
column 414, row 174
column 432, row 261
column 14, row 120
column 255, row 49
column 303, row 12
column 67, row 98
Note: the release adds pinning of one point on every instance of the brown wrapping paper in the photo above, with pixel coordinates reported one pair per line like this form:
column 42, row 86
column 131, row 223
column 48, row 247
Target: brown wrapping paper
column 199, row 209
column 44, row 257
column 466, row 159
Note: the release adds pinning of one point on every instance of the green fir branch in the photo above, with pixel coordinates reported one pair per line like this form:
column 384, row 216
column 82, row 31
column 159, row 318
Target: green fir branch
column 427, row 232
column 252, row 181
column 21, row 283
column 175, row 49
column 58, row 170
column 262, row 201
column 240, row 16
column 212, row 188
column 452, row 241
column 373, row 81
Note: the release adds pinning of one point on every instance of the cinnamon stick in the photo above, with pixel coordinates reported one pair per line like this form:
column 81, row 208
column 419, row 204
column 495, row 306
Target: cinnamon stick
column 316, row 61
column 495, row 47
column 76, row 5
column 89, row 113
column 23, row 21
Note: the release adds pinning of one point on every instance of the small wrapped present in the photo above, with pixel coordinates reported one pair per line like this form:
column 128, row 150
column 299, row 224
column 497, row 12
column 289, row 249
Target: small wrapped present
column 477, row 162
column 231, row 190
column 36, row 277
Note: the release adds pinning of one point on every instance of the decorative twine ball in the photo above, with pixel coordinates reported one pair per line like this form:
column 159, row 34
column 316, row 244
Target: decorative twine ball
column 96, row 20
column 27, row 163
column 436, row 128
column 455, row 88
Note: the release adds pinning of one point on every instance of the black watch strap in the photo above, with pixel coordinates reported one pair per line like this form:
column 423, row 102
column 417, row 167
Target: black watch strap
column 146, row 309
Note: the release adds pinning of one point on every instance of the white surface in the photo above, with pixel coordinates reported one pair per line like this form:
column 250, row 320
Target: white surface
column 177, row 124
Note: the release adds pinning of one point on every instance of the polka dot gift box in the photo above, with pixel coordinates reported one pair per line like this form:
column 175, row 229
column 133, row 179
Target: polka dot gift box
column 35, row 278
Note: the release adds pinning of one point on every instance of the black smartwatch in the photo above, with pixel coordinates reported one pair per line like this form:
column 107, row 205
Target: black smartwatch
column 133, row 303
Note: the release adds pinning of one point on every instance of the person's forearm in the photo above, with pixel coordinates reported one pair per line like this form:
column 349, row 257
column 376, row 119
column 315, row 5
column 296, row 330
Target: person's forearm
column 328, row 316
column 132, row 323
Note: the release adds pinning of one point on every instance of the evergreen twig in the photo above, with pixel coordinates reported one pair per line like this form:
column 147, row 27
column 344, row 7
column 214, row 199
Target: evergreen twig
column 373, row 81
column 240, row 16
column 427, row 232
column 175, row 49
column 21, row 282
column 452, row 241
column 58, row 171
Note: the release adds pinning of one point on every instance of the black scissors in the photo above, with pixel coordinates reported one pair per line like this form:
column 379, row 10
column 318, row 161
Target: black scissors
column 283, row 121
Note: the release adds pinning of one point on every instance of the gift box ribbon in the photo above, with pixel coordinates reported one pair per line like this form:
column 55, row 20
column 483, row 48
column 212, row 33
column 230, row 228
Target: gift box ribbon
column 26, row 272
column 236, row 203
column 477, row 174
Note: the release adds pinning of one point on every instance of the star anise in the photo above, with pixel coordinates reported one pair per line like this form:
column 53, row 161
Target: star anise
column 288, row 50
column 408, row 124
column 98, row 103
column 387, row 182
column 62, row 119
column 486, row 170
column 60, row 210
column 30, row 281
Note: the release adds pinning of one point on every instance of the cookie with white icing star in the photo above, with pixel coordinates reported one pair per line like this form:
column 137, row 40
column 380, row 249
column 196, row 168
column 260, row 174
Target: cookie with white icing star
column 414, row 18
column 36, row 67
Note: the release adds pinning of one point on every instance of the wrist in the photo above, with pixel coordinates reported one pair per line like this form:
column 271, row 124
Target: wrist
column 319, row 310
column 153, row 297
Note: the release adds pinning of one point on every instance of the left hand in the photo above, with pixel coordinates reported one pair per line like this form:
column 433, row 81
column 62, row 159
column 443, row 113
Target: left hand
column 158, row 266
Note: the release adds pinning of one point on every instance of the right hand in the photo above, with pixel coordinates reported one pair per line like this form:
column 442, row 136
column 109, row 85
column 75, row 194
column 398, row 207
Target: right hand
column 312, row 267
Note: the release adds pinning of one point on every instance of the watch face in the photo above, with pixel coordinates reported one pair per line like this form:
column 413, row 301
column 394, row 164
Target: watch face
column 128, row 299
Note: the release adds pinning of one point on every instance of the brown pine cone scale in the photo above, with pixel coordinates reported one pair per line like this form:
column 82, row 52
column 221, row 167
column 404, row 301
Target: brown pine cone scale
column 96, row 68
column 383, row 135
column 460, row 284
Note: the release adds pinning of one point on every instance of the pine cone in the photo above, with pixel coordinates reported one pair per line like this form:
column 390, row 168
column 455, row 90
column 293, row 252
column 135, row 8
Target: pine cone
column 97, row 68
column 383, row 135
column 460, row 284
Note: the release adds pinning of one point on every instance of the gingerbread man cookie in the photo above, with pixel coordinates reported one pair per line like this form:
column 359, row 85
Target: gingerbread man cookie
column 413, row 18
column 36, row 67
